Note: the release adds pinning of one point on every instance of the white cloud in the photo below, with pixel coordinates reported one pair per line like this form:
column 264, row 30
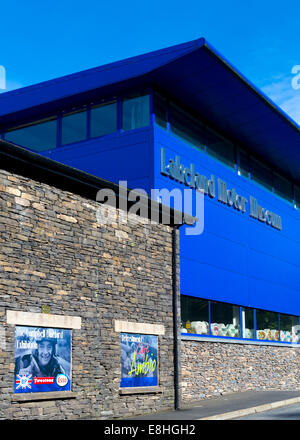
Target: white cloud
column 281, row 92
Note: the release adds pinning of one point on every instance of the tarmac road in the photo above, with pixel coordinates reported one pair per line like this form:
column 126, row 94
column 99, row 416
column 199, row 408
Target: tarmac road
column 290, row 412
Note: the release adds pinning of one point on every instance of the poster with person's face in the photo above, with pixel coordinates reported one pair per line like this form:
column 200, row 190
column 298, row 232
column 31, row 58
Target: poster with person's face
column 139, row 361
column 42, row 359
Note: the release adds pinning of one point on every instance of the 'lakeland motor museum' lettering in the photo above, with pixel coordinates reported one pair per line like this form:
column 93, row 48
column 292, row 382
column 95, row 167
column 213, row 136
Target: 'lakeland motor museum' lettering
column 178, row 172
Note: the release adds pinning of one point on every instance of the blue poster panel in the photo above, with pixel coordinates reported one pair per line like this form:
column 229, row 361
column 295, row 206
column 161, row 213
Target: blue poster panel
column 139, row 362
column 42, row 359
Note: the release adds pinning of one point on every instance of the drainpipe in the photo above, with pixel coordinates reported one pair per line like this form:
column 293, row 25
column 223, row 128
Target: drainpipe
column 187, row 220
column 175, row 318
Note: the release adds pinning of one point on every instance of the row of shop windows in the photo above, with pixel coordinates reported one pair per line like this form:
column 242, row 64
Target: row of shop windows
column 133, row 112
column 213, row 318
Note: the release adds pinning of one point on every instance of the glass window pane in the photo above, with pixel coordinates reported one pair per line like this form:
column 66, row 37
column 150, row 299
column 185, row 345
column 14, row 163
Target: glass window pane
column 243, row 164
column 267, row 325
column 283, row 188
column 103, row 119
column 40, row 136
column 225, row 320
column 220, row 149
column 194, row 315
column 297, row 197
column 261, row 174
column 186, row 127
column 161, row 110
column 135, row 112
column 289, row 328
column 74, row 127
column 248, row 323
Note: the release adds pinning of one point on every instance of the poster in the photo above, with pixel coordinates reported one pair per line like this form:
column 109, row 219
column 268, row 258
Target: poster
column 42, row 359
column 139, row 362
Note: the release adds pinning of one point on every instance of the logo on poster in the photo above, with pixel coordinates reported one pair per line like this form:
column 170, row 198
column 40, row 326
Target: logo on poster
column 24, row 381
column 62, row 380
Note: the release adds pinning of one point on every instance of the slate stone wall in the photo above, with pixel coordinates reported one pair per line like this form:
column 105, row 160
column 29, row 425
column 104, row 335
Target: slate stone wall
column 210, row 369
column 55, row 256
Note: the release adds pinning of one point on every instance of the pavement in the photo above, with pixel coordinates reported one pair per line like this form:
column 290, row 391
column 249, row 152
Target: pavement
column 229, row 406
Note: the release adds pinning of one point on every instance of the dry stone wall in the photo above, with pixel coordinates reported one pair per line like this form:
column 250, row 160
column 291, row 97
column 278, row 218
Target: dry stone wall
column 210, row 369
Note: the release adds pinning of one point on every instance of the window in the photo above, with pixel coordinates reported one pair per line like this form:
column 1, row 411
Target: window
column 243, row 163
column 267, row 324
column 136, row 112
column 248, row 323
column 103, row 119
column 261, row 174
column 220, row 149
column 214, row 318
column 74, row 127
column 297, row 197
column 186, row 127
column 39, row 136
column 194, row 315
column 225, row 320
column 161, row 110
column 289, row 328
column 283, row 188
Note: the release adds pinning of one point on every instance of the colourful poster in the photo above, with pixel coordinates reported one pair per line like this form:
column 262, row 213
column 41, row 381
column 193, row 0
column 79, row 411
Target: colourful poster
column 139, row 361
column 42, row 359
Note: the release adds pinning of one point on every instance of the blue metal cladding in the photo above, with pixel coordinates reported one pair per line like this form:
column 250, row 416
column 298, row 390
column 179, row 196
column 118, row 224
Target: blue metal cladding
column 116, row 157
column 237, row 259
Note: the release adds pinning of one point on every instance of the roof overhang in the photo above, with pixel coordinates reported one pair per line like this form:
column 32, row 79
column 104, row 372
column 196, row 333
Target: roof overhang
column 194, row 73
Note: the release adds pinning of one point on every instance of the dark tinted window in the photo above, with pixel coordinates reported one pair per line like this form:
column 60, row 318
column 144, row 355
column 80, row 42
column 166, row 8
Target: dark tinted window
column 160, row 110
column 261, row 174
column 38, row 137
column 248, row 323
column 283, row 188
column 103, row 119
column 135, row 112
column 243, row 163
column 220, row 149
column 74, row 127
column 186, row 127
column 297, row 197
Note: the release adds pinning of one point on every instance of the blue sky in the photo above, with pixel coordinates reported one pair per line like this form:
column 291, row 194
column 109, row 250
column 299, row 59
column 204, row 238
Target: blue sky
column 44, row 40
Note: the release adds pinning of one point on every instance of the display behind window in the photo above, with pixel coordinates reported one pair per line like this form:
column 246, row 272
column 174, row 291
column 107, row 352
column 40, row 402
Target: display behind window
column 194, row 315
column 225, row 320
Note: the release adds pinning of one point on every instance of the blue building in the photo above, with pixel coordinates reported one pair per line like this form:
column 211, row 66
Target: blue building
column 184, row 117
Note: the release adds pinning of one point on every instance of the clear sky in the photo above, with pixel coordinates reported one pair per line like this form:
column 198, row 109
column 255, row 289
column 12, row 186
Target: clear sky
column 42, row 40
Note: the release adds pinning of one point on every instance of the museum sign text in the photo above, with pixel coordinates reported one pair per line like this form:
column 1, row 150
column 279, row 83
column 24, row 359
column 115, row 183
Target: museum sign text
column 213, row 187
